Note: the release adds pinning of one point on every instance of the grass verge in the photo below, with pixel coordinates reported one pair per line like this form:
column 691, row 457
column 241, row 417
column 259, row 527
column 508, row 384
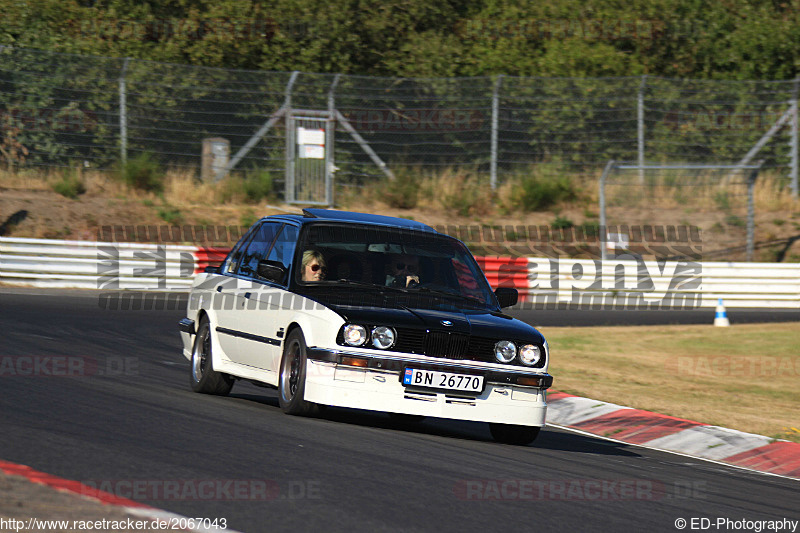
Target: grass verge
column 744, row 377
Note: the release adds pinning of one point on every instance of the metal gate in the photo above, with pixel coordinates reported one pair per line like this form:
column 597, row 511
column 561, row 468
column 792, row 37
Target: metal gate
column 309, row 157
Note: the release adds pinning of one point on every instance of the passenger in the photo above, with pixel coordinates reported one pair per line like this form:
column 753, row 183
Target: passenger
column 403, row 271
column 313, row 266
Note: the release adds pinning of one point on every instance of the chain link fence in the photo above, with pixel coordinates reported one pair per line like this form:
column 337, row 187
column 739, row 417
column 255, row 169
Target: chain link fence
column 59, row 110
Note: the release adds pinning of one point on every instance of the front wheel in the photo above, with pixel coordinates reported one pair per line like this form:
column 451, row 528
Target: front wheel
column 513, row 434
column 203, row 377
column 292, row 380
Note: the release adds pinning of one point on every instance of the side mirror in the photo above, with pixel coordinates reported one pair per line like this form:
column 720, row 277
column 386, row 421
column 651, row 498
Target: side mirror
column 506, row 296
column 211, row 270
column 273, row 271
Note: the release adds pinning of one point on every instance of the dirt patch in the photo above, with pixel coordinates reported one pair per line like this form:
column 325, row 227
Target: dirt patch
column 22, row 500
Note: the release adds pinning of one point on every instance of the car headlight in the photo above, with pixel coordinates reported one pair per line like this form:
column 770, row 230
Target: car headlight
column 383, row 337
column 505, row 351
column 355, row 335
column 530, row 354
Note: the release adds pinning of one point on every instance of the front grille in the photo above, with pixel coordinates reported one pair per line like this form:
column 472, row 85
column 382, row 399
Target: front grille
column 446, row 344
column 410, row 340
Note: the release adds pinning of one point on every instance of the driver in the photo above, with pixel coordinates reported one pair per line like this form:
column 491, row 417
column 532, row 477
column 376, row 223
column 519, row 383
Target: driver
column 403, row 271
column 313, row 268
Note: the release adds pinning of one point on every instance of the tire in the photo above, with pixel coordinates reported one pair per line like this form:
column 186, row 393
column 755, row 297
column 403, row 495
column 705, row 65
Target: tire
column 202, row 377
column 513, row 434
column 292, row 379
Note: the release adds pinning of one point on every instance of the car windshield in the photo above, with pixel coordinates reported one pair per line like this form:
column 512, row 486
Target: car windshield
column 392, row 260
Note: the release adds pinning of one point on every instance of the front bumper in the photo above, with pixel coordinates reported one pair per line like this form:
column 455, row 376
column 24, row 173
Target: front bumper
column 397, row 363
column 377, row 386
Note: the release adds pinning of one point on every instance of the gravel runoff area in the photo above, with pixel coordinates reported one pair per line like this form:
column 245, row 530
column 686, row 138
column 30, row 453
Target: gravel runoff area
column 22, row 499
column 26, row 505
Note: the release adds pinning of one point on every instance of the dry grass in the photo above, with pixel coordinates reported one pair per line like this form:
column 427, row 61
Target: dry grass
column 448, row 196
column 744, row 377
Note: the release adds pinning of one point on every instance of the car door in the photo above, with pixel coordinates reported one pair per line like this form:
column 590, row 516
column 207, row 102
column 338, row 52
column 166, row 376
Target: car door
column 259, row 332
column 225, row 302
column 235, row 293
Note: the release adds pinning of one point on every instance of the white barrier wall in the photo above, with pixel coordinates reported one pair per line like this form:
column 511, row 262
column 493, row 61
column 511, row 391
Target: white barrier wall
column 96, row 265
column 627, row 281
column 617, row 282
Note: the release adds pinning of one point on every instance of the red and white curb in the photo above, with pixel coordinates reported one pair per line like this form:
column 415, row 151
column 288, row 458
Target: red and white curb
column 662, row 432
column 132, row 507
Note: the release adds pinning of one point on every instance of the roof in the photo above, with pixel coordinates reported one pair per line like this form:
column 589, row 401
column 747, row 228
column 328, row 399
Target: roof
column 363, row 218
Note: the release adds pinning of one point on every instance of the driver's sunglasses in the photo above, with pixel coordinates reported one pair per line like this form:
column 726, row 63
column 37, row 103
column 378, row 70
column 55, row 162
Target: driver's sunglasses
column 315, row 268
column 408, row 266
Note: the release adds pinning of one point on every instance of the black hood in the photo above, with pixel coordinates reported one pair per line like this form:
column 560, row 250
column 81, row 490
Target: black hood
column 469, row 322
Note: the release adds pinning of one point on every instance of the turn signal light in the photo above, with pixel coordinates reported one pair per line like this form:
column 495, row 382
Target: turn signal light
column 533, row 382
column 354, row 361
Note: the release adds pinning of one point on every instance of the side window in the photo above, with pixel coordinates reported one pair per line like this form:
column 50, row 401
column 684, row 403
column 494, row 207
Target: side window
column 284, row 247
column 231, row 263
column 258, row 247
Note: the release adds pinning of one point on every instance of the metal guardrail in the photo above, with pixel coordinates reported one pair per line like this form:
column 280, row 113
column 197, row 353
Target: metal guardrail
column 620, row 282
column 96, row 265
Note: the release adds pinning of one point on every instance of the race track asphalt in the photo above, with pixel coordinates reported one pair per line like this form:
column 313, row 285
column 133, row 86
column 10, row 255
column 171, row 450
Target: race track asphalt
column 131, row 420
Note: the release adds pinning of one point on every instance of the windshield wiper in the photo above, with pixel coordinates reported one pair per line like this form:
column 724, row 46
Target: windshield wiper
column 356, row 283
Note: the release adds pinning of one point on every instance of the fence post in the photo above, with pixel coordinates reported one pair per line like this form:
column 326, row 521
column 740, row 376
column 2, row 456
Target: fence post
column 290, row 144
column 640, row 127
column 793, row 148
column 123, row 115
column 603, row 230
column 330, row 130
column 495, row 120
column 751, row 224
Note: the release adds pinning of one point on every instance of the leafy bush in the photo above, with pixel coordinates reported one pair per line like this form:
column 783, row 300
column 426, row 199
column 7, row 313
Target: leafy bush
column 69, row 186
column 143, row 172
column 537, row 193
column 170, row 215
column 562, row 223
column 253, row 187
column 258, row 185
column 735, row 221
column 465, row 195
column 591, row 229
column 403, row 191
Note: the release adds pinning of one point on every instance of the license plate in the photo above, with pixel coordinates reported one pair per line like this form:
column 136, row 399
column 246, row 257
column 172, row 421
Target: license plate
column 431, row 379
